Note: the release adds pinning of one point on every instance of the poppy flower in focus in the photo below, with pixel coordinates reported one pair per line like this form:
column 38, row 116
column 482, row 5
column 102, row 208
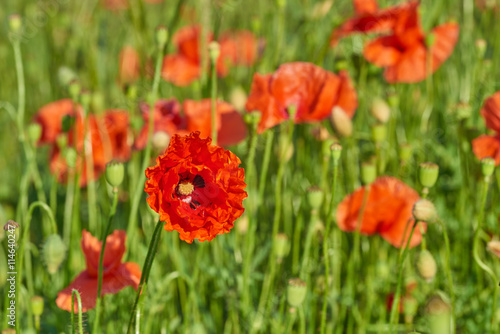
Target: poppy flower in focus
column 184, row 67
column 197, row 188
column 129, row 67
column 388, row 212
column 116, row 275
column 312, row 90
column 406, row 52
column 230, row 124
column 489, row 145
column 108, row 135
column 167, row 120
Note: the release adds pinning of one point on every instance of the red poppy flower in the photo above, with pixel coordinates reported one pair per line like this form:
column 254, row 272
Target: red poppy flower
column 197, row 188
column 230, row 124
column 388, row 212
column 404, row 52
column 363, row 7
column 311, row 89
column 184, row 67
column 116, row 275
column 167, row 119
column 487, row 145
column 129, row 67
column 108, row 136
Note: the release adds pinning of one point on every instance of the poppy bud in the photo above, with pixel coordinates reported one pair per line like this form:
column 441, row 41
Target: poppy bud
column 15, row 23
column 463, row 110
column 71, row 157
column 315, row 197
column 281, row 246
column 368, row 173
column 161, row 36
column 115, row 173
column 54, row 252
column 252, row 118
column 74, row 89
column 481, row 46
column 405, row 152
column 238, row 98
column 336, row 149
column 160, row 140
column 37, row 305
column 428, row 174
column 379, row 133
column 438, row 312
column 296, row 292
column 214, row 51
column 487, row 166
column 65, row 75
column 410, row 307
column 341, row 122
column 426, row 266
column 494, row 247
column 380, row 110
column 34, row 132
column 424, row 210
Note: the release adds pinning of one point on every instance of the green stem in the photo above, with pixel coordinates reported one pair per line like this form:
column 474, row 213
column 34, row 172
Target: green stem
column 101, row 260
column 213, row 96
column 265, row 164
column 397, row 295
column 80, row 316
column 292, row 315
column 449, row 277
column 146, row 268
column 325, row 247
column 89, row 162
column 475, row 252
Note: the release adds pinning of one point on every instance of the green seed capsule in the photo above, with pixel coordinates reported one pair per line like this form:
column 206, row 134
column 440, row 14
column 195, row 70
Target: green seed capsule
column 37, row 305
column 487, row 166
column 296, row 292
column 428, row 174
column 115, row 173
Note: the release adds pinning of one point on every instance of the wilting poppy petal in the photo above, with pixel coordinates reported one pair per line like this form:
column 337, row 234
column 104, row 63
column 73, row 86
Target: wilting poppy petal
column 230, row 124
column 50, row 118
column 491, row 112
column 388, row 212
column 487, row 147
column 197, row 188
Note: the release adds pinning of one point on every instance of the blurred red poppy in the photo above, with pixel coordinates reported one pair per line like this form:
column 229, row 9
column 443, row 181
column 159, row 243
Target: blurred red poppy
column 197, row 188
column 184, row 67
column 388, row 212
column 108, row 136
column 406, row 53
column 363, row 7
column 116, row 275
column 230, row 124
column 129, row 67
column 489, row 145
column 312, row 90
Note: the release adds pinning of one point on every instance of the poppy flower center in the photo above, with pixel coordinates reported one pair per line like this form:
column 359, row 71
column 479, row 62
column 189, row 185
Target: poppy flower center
column 185, row 188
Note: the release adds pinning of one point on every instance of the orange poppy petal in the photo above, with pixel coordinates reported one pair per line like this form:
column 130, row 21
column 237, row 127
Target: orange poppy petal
column 364, row 7
column 410, row 68
column 115, row 248
column 382, row 51
column 50, row 119
column 129, row 66
column 445, row 39
column 491, row 112
column 486, row 146
column 347, row 97
column 116, row 124
column 179, row 70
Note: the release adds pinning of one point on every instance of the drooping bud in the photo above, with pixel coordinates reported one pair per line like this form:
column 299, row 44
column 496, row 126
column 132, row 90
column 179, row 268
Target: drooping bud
column 487, row 166
column 37, row 305
column 54, row 252
column 315, row 197
column 341, row 123
column 424, row 210
column 281, row 246
column 115, row 173
column 380, row 110
column 368, row 172
column 296, row 292
column 161, row 36
column 426, row 266
column 428, row 174
column 379, row 133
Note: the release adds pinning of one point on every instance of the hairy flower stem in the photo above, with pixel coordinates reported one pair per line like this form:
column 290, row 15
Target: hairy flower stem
column 74, row 293
column 397, row 294
column 139, row 188
column 326, row 259
column 146, row 269
column 448, row 275
column 101, row 260
column 475, row 253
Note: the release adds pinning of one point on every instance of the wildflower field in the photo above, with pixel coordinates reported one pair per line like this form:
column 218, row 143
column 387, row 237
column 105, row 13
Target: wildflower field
column 250, row 166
